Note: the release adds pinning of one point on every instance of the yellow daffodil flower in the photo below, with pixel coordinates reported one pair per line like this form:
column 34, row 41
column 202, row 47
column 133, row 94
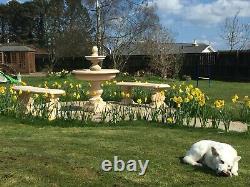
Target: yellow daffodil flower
column 219, row 104
column 139, row 101
column 170, row 120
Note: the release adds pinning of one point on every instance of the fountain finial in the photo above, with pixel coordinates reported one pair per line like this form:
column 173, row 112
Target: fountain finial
column 94, row 51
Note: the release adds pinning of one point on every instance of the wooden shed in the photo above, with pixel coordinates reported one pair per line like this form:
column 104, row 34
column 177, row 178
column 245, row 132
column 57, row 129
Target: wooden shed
column 19, row 57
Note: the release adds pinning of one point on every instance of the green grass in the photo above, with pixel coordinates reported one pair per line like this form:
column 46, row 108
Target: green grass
column 59, row 154
column 41, row 153
column 224, row 90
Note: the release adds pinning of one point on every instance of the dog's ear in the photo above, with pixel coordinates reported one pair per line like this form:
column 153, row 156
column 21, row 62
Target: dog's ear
column 237, row 159
column 214, row 151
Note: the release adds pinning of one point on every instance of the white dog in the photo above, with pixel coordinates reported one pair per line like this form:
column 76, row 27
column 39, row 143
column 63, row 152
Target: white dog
column 218, row 156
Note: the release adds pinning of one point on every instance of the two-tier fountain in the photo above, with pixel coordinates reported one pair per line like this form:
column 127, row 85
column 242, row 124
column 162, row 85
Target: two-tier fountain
column 95, row 75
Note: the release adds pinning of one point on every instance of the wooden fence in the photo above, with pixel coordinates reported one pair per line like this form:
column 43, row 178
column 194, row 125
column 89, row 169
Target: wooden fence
column 228, row 66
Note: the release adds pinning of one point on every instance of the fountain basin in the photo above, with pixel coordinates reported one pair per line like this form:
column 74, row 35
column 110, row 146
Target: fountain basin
column 95, row 58
column 101, row 75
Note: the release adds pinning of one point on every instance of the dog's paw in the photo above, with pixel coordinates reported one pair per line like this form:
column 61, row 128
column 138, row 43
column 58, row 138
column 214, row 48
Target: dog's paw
column 235, row 173
column 198, row 164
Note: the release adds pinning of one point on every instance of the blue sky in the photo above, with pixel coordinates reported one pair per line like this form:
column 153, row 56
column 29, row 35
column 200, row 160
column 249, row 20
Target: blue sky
column 198, row 19
column 5, row 1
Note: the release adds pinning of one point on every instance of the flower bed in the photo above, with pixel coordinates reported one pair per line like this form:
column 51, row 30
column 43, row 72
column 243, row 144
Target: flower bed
column 186, row 105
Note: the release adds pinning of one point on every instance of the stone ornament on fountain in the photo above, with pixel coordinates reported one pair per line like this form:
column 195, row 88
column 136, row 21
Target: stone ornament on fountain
column 95, row 59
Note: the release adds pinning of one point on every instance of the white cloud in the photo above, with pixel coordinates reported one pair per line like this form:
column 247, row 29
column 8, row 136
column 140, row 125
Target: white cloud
column 203, row 13
column 172, row 6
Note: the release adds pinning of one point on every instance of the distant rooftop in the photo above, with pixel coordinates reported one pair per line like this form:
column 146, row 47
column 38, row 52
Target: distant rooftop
column 190, row 47
column 175, row 48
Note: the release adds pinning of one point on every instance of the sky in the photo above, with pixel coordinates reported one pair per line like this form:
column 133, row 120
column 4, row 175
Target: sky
column 199, row 20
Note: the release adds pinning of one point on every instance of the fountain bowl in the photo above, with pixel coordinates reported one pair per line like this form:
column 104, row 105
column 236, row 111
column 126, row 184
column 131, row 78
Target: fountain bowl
column 101, row 75
column 97, row 58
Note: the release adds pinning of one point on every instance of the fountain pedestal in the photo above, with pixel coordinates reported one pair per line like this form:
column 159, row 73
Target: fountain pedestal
column 96, row 103
column 95, row 75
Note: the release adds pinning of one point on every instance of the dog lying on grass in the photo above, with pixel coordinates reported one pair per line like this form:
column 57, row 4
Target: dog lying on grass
column 218, row 156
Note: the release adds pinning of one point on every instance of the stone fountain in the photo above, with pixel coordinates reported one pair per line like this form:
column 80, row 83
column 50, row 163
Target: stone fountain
column 95, row 75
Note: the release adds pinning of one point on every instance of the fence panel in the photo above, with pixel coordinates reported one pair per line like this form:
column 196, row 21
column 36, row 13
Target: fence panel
column 229, row 65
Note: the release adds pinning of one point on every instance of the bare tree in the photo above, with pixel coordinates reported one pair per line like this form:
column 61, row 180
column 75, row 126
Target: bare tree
column 127, row 30
column 120, row 24
column 234, row 33
column 164, row 57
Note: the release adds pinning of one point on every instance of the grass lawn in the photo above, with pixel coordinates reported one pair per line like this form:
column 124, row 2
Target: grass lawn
column 59, row 155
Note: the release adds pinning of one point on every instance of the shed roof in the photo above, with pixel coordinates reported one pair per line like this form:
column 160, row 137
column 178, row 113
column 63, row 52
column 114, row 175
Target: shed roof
column 9, row 48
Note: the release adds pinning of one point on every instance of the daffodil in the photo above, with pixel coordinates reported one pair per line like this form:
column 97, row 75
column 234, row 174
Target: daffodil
column 11, row 91
column 219, row 104
column 187, row 90
column 23, row 83
column 2, row 89
column 178, row 100
column 246, row 97
column 127, row 95
column 78, row 96
column 202, row 102
column 248, row 104
column 186, row 100
column 190, row 97
column 139, row 101
column 235, row 98
column 46, row 95
column 170, row 120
